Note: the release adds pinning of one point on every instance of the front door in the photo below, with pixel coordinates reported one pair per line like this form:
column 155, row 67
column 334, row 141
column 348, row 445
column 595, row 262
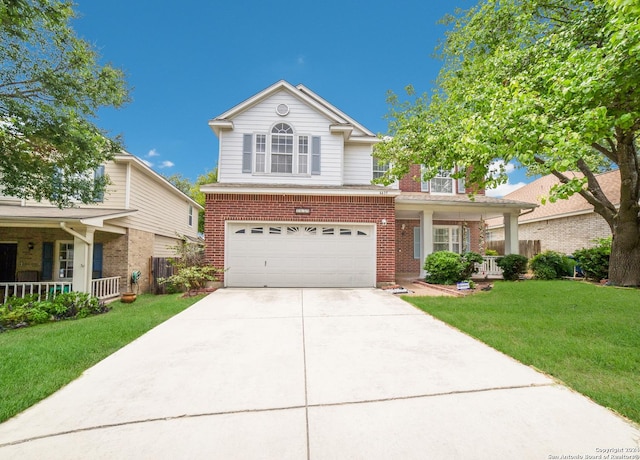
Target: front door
column 8, row 255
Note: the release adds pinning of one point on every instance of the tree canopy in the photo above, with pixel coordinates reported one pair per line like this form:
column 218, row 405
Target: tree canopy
column 51, row 86
column 553, row 85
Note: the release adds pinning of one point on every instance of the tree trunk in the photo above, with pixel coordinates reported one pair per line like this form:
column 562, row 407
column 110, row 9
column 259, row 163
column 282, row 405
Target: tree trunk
column 624, row 263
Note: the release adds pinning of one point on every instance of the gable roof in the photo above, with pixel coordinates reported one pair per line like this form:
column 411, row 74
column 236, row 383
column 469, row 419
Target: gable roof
column 341, row 122
column 574, row 205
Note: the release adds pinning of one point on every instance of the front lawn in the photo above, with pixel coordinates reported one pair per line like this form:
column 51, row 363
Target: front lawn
column 37, row 361
column 585, row 335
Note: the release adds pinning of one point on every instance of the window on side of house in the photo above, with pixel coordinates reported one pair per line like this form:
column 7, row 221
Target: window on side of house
column 190, row 219
column 379, row 167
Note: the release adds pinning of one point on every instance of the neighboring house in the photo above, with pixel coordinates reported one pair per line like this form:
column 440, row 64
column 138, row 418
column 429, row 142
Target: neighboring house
column 563, row 226
column 95, row 247
column 294, row 204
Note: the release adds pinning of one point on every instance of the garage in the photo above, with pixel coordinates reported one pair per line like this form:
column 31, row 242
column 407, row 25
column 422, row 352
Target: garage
column 300, row 255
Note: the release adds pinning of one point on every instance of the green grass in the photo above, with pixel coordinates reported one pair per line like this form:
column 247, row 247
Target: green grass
column 37, row 361
column 585, row 335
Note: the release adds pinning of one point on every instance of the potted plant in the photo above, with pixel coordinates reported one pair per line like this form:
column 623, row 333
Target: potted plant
column 130, row 296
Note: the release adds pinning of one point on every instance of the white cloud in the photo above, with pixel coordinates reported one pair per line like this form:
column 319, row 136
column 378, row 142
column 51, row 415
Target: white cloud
column 496, row 166
column 503, row 189
column 300, row 60
column 166, row 164
column 152, row 153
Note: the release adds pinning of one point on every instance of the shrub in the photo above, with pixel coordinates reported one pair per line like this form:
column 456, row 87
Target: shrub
column 512, row 265
column 193, row 277
column 445, row 267
column 18, row 312
column 490, row 252
column 469, row 260
column 550, row 265
column 594, row 262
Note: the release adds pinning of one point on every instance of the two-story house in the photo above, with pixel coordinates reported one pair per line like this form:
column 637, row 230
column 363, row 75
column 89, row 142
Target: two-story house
column 95, row 247
column 295, row 205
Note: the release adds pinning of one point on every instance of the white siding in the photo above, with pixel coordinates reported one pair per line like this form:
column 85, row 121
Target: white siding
column 164, row 246
column 260, row 119
column 358, row 165
column 159, row 210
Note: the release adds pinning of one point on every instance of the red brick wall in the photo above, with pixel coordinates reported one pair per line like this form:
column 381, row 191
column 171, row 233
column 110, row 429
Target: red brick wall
column 357, row 209
column 405, row 263
column 412, row 181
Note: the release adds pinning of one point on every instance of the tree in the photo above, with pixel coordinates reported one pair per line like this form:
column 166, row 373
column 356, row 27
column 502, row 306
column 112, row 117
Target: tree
column 551, row 85
column 51, row 87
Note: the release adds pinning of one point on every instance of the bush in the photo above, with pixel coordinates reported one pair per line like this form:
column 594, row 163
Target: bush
column 594, row 262
column 445, row 267
column 512, row 265
column 490, row 252
column 191, row 278
column 19, row 312
column 551, row 265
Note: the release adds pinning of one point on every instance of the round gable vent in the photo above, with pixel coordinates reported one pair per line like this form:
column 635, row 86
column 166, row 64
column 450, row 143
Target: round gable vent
column 282, row 110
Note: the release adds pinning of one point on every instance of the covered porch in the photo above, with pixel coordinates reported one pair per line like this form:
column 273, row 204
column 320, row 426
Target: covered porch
column 427, row 223
column 46, row 251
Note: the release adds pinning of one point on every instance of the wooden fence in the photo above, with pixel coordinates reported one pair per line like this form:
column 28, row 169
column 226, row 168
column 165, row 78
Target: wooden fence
column 160, row 268
column 528, row 248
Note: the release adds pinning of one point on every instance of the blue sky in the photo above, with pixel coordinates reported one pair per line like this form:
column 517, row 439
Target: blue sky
column 190, row 61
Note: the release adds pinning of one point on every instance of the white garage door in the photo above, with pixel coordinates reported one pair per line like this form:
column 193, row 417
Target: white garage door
column 300, row 255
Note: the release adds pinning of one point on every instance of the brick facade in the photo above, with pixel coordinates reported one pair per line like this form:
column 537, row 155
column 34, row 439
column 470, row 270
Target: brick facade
column 272, row 208
column 412, row 181
column 405, row 262
column 564, row 235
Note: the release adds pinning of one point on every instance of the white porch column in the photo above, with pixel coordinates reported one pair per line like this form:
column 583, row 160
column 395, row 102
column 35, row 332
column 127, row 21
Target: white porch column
column 511, row 242
column 426, row 238
column 82, row 257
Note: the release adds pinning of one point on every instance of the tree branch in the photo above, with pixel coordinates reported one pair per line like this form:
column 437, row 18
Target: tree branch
column 610, row 154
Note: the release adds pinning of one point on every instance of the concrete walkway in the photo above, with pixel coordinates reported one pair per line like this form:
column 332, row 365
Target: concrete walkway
column 312, row 373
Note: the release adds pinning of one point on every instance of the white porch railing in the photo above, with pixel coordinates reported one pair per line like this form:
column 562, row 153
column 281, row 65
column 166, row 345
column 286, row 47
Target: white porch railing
column 105, row 288
column 102, row 288
column 44, row 290
column 488, row 268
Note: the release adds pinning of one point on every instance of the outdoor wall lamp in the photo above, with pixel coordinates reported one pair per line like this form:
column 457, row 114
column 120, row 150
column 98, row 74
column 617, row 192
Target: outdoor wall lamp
column 30, row 246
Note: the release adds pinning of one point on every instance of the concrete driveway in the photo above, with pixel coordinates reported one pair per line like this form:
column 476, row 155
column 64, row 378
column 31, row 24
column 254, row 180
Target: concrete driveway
column 312, row 373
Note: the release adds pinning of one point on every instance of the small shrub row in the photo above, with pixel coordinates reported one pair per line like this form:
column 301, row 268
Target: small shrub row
column 594, row 262
column 20, row 312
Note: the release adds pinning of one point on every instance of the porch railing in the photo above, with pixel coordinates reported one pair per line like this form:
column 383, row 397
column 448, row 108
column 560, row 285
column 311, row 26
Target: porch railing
column 105, row 288
column 44, row 290
column 102, row 288
column 489, row 268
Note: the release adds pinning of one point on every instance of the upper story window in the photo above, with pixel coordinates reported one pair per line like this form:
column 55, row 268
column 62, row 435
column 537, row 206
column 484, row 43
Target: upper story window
column 443, row 183
column 379, row 168
column 190, row 219
column 281, row 151
column 282, row 148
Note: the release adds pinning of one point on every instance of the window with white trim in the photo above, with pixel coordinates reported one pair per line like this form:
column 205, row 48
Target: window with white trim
column 282, row 151
column 447, row 238
column 65, row 260
column 442, row 183
column 190, row 219
column 379, row 168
